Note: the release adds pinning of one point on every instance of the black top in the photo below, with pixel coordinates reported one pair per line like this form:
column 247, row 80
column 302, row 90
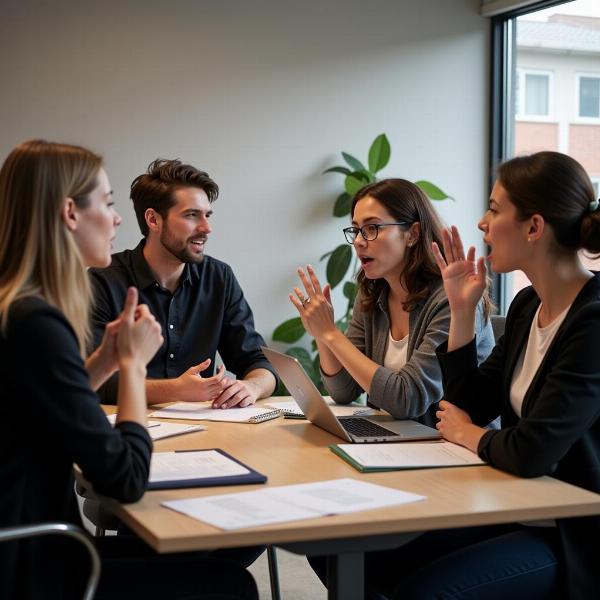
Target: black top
column 207, row 313
column 50, row 420
column 558, row 433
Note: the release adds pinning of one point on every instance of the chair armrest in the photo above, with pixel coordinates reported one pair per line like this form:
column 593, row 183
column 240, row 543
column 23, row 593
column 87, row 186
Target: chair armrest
column 68, row 530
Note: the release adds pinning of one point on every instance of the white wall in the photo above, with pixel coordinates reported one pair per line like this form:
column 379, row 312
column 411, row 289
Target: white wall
column 263, row 95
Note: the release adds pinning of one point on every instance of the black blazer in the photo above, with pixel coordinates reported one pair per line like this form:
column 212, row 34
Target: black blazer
column 558, row 433
column 51, row 419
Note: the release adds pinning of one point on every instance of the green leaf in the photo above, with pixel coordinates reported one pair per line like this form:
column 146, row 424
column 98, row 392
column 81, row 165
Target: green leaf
column 317, row 365
column 379, row 153
column 338, row 264
column 326, row 255
column 304, row 359
column 350, row 289
column 342, row 170
column 432, row 190
column 366, row 176
column 353, row 184
column 343, row 204
column 289, row 331
column 353, row 162
column 313, row 345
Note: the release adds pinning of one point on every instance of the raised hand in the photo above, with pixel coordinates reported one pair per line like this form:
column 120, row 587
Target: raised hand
column 104, row 361
column 315, row 308
column 139, row 335
column 464, row 278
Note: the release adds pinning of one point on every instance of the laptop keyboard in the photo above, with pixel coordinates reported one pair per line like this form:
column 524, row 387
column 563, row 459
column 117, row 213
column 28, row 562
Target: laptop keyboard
column 364, row 428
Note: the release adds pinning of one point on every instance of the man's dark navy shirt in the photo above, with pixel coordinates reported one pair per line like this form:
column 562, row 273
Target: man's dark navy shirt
column 207, row 313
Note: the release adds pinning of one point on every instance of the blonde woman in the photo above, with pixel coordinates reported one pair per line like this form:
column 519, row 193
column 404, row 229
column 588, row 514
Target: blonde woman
column 56, row 219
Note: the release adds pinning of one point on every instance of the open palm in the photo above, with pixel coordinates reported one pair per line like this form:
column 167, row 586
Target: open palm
column 464, row 278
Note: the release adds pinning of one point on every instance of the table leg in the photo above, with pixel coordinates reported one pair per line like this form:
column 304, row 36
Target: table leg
column 345, row 576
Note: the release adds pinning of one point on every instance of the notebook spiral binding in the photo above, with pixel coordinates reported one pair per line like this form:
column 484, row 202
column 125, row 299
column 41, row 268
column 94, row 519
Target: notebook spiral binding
column 272, row 414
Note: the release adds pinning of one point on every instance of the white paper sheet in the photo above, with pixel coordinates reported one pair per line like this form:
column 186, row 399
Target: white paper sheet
column 195, row 464
column 290, row 503
column 410, row 455
column 203, row 412
column 161, row 429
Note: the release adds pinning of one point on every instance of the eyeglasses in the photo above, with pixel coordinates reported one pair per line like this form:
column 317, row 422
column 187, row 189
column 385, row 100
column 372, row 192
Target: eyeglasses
column 369, row 232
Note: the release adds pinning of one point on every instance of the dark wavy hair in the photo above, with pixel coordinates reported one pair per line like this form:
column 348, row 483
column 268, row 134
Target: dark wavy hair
column 556, row 187
column 405, row 202
column 156, row 188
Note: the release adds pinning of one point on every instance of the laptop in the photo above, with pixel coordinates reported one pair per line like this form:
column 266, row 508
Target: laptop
column 358, row 430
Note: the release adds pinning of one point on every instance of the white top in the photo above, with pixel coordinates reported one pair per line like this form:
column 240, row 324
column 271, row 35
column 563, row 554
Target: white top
column 531, row 357
column 396, row 353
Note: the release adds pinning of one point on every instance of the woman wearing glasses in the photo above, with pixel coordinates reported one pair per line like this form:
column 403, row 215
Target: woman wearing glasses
column 401, row 313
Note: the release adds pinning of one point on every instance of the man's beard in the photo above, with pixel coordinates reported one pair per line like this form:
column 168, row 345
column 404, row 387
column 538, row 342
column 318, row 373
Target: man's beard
column 181, row 250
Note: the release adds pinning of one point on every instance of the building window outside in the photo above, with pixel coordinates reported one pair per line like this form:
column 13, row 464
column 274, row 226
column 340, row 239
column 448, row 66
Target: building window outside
column 532, row 91
column 588, row 91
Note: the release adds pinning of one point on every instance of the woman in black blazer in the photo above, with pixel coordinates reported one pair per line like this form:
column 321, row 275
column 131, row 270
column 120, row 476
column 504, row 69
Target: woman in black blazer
column 56, row 219
column 542, row 378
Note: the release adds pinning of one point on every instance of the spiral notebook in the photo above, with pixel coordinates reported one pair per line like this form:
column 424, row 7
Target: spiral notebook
column 202, row 411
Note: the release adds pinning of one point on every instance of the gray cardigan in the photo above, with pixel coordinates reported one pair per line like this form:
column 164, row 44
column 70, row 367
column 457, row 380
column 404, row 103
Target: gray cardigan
column 414, row 391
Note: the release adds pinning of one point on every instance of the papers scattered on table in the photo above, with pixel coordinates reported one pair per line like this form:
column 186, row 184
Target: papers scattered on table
column 290, row 503
column 203, row 412
column 393, row 457
column 159, row 429
column 199, row 468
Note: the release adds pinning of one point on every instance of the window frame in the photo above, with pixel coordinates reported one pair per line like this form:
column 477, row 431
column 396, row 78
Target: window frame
column 503, row 41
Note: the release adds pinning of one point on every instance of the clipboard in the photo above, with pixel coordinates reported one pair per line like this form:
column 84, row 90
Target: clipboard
column 249, row 477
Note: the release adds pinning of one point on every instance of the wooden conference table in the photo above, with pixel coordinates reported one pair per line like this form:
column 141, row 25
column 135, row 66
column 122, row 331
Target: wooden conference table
column 293, row 451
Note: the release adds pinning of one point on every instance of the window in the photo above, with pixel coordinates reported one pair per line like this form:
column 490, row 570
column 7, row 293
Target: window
column 532, row 93
column 589, row 96
column 545, row 94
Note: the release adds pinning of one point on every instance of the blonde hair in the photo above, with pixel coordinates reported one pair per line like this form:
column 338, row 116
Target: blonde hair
column 38, row 255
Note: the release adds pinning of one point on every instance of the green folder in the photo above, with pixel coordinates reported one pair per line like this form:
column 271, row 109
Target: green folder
column 337, row 450
column 421, row 455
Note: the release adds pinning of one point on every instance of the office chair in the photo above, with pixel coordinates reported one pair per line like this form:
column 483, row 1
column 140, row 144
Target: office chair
column 66, row 529
column 104, row 520
column 498, row 323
